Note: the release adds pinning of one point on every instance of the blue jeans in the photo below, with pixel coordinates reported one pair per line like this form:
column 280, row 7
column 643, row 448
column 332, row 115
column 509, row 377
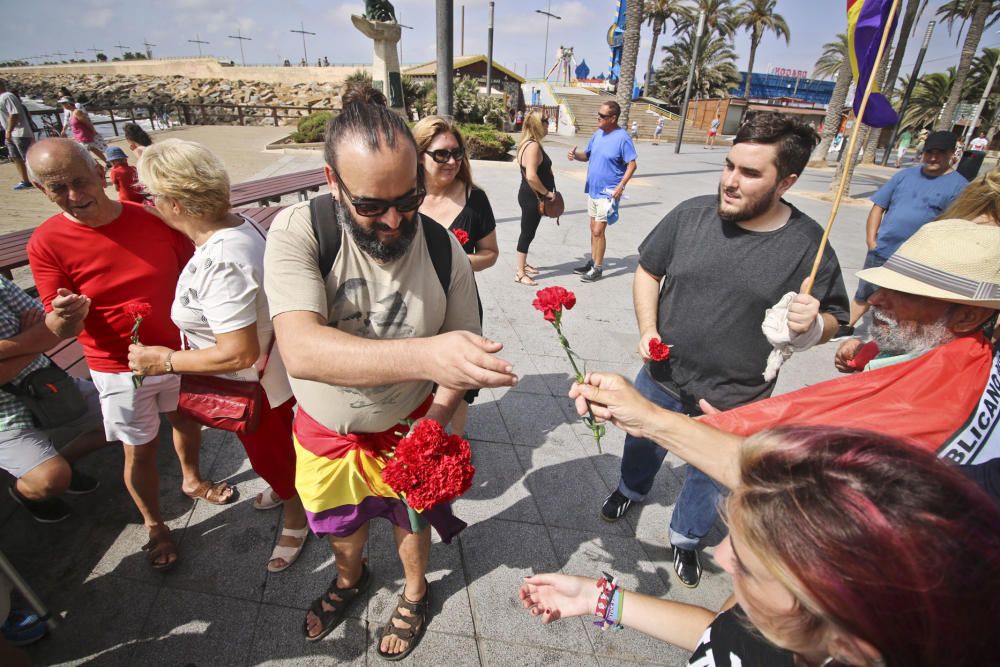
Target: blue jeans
column 696, row 510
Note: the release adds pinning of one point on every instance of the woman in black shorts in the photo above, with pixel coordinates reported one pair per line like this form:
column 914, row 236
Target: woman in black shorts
column 537, row 181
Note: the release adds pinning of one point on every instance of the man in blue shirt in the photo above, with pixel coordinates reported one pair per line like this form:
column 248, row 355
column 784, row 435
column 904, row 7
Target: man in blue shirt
column 611, row 157
column 912, row 198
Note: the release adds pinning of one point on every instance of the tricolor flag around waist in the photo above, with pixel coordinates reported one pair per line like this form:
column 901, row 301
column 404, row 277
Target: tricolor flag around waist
column 866, row 19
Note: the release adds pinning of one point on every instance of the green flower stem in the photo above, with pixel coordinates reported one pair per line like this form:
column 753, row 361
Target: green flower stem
column 589, row 420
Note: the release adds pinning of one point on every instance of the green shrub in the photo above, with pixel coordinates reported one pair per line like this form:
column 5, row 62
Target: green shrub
column 311, row 128
column 483, row 142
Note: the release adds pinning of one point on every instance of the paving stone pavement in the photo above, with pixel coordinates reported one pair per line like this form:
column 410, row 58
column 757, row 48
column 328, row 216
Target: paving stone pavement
column 532, row 508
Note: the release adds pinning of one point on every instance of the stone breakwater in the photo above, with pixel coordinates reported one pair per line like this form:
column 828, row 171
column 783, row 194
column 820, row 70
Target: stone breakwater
column 121, row 90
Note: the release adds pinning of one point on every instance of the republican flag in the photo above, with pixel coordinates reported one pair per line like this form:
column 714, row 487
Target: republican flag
column 926, row 400
column 865, row 21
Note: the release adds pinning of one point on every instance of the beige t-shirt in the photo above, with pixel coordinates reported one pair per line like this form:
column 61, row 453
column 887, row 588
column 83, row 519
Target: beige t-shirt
column 399, row 299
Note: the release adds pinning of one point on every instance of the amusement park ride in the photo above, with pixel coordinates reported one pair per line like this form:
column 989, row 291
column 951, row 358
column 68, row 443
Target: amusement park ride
column 565, row 63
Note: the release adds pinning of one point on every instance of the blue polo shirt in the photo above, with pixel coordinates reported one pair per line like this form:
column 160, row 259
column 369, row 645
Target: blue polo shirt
column 911, row 200
column 608, row 155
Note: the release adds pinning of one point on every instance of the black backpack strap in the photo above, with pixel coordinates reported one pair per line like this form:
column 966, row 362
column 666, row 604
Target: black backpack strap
column 326, row 229
column 439, row 247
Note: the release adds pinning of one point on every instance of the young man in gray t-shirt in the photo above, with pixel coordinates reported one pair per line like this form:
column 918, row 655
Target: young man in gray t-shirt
column 707, row 272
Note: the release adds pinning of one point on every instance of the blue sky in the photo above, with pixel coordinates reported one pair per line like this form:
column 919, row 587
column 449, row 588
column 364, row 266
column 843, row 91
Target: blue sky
column 519, row 32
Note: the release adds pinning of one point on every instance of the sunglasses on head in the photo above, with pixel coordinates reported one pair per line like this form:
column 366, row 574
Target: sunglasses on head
column 373, row 208
column 442, row 155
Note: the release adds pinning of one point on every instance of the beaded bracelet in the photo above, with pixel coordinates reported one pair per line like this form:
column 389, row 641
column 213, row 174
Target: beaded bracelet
column 608, row 610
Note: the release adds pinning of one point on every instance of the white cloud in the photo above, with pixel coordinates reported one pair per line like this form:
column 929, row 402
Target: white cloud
column 97, row 18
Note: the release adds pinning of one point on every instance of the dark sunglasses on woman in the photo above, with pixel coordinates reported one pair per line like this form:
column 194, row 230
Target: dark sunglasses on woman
column 442, row 155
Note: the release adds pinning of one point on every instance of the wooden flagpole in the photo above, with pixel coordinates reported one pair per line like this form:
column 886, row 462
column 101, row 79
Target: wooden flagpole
column 850, row 146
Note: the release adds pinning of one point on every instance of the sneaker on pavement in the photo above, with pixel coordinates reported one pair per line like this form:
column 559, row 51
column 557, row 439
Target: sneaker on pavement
column 23, row 627
column 615, row 506
column 82, row 483
column 23, row 186
column 593, row 275
column 51, row 510
column 843, row 331
column 580, row 270
column 687, row 565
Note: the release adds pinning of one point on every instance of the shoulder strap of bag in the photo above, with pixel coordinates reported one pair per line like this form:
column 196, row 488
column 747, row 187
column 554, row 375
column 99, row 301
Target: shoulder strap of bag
column 326, row 229
column 439, row 247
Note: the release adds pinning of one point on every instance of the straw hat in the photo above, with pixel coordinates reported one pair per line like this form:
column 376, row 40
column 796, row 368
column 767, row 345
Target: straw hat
column 951, row 260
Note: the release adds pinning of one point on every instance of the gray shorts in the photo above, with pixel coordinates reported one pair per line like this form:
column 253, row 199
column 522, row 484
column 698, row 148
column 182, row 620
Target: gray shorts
column 22, row 450
column 18, row 147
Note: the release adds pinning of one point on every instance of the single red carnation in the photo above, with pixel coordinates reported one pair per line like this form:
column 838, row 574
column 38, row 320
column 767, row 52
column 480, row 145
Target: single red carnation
column 138, row 310
column 658, row 351
column 461, row 235
column 551, row 300
column 429, row 466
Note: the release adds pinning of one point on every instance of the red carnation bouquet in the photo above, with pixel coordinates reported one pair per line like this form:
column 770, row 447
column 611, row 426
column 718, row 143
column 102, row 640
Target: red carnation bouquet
column 658, row 351
column 429, row 466
column 551, row 301
column 138, row 311
column 461, row 235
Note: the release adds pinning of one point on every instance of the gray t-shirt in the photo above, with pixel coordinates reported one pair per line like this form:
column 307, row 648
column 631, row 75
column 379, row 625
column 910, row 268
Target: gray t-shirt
column 10, row 104
column 719, row 281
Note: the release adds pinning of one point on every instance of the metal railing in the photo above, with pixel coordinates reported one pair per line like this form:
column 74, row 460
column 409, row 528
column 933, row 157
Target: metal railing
column 659, row 111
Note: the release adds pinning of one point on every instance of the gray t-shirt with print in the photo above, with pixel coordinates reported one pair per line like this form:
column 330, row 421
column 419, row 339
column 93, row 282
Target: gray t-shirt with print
column 719, row 280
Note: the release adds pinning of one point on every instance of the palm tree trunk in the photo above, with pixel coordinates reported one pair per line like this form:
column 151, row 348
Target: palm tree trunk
column 835, row 183
column 630, row 54
column 754, row 43
column 976, row 26
column 657, row 28
column 832, row 121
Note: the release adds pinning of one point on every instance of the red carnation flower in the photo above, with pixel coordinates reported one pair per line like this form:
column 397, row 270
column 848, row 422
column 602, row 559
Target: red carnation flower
column 461, row 235
column 138, row 310
column 658, row 351
column 551, row 301
column 429, row 466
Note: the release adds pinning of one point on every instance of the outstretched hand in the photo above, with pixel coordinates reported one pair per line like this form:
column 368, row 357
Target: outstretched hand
column 555, row 596
column 463, row 360
column 613, row 399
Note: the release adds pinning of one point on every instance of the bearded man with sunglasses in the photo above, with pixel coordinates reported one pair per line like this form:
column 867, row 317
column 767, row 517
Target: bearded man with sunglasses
column 364, row 339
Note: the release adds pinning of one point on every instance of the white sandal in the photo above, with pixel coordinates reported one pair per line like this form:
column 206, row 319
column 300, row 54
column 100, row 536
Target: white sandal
column 267, row 500
column 287, row 554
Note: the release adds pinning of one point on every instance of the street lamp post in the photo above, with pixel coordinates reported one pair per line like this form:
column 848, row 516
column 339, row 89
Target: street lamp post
column 241, row 38
column 545, row 56
column 687, row 90
column 445, row 19
column 489, row 55
column 304, row 32
column 199, row 41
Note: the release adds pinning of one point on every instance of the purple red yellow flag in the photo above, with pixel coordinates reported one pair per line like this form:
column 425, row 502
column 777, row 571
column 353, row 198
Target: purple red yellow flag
column 866, row 19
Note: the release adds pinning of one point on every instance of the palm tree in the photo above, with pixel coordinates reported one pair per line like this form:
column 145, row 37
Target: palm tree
column 720, row 18
column 759, row 17
column 977, row 13
column 833, row 63
column 630, row 54
column 930, row 96
column 976, row 82
column 658, row 12
column 715, row 71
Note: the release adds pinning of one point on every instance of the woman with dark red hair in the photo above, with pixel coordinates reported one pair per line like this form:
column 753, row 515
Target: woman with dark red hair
column 845, row 548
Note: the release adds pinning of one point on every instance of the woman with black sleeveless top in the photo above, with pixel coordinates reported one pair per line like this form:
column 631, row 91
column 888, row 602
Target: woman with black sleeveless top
column 537, row 181
column 458, row 205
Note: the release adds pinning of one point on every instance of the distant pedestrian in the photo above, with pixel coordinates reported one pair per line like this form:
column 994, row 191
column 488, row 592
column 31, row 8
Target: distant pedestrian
column 921, row 140
column 83, row 131
column 611, row 155
column 537, row 183
column 904, row 145
column 124, row 176
column 712, row 131
column 658, row 131
column 635, row 130
column 326, row 63
column 980, row 143
column 17, row 132
column 137, row 138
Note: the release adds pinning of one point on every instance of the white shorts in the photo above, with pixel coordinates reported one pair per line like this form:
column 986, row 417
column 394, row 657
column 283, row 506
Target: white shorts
column 599, row 208
column 132, row 414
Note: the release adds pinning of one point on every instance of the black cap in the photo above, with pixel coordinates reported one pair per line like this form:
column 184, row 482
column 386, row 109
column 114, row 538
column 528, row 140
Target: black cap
column 941, row 141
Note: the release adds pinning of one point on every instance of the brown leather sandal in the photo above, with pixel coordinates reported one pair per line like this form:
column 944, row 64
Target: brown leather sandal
column 330, row 619
column 416, row 623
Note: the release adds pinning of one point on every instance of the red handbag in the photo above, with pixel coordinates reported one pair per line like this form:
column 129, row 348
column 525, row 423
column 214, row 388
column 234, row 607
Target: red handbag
column 230, row 405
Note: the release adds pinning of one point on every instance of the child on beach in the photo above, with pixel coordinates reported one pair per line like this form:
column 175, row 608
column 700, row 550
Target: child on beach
column 124, row 176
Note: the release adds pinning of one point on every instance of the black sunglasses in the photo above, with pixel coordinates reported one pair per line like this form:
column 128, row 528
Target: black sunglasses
column 373, row 208
column 605, row 115
column 442, row 155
